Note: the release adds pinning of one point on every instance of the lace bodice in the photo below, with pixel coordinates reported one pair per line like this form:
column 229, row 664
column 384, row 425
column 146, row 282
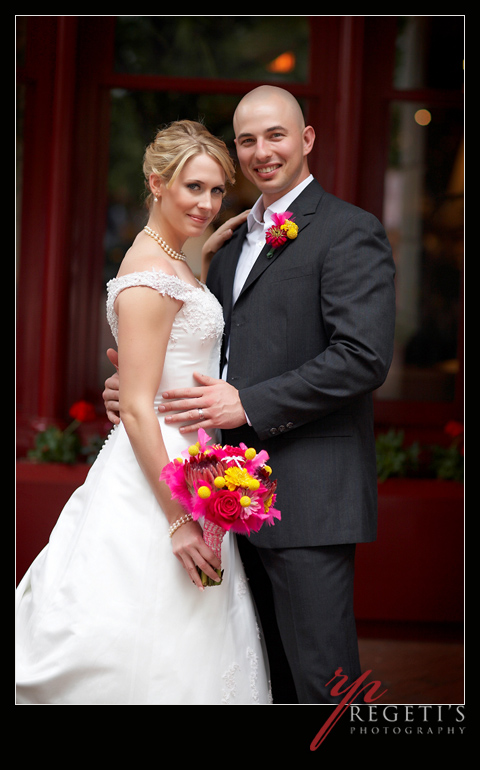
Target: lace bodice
column 200, row 314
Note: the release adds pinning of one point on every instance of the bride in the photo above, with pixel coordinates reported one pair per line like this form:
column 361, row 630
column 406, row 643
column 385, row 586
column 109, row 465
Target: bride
column 112, row 611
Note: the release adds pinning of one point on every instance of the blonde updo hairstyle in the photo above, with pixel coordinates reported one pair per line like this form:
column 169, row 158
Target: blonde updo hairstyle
column 175, row 144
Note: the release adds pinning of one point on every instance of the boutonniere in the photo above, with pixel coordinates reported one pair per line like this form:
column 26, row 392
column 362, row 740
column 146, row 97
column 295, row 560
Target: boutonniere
column 282, row 230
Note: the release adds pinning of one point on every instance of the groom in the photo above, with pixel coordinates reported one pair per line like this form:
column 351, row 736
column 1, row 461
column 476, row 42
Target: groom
column 308, row 337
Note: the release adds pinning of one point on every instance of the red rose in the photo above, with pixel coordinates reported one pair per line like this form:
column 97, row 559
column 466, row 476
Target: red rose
column 82, row 411
column 224, row 508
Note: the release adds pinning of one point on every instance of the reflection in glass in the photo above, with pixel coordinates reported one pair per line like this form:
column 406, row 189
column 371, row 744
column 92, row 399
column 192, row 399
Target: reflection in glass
column 236, row 47
column 423, row 215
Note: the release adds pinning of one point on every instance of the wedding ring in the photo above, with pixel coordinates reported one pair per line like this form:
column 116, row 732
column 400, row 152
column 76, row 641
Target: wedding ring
column 200, row 414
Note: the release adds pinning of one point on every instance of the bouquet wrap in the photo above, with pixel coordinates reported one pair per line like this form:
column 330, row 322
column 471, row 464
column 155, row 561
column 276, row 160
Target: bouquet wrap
column 213, row 535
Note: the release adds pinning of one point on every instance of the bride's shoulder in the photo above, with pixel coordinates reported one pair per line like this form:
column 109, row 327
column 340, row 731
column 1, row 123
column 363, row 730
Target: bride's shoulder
column 144, row 256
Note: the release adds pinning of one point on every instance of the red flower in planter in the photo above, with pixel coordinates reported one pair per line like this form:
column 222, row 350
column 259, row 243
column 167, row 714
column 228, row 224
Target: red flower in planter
column 82, row 411
column 53, row 445
column 454, row 428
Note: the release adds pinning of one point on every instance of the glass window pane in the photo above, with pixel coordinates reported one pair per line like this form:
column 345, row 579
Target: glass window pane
column 423, row 215
column 267, row 48
column 135, row 116
column 430, row 52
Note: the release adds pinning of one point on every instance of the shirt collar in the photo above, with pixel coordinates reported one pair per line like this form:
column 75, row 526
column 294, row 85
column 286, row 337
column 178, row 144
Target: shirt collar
column 263, row 217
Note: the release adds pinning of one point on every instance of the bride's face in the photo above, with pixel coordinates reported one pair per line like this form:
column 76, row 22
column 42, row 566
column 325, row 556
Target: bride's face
column 190, row 204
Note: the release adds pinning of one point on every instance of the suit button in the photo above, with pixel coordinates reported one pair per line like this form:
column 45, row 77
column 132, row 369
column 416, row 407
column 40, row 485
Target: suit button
column 273, row 431
column 282, row 428
column 290, row 425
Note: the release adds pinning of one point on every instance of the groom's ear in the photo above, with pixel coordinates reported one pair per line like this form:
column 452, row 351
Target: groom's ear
column 308, row 139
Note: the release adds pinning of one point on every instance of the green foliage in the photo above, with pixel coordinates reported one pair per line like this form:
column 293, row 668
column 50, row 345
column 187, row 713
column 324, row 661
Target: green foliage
column 393, row 458
column 447, row 463
column 53, row 445
column 91, row 450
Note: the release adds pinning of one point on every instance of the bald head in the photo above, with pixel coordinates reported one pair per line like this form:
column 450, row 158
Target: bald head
column 263, row 97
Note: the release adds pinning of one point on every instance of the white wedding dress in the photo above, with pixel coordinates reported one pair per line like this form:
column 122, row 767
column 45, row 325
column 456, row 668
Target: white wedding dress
column 106, row 615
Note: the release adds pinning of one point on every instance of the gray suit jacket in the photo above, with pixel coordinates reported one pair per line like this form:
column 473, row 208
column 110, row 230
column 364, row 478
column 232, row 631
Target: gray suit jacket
column 311, row 336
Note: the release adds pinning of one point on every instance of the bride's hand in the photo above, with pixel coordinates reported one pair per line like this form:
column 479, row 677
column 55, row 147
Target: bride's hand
column 218, row 238
column 191, row 550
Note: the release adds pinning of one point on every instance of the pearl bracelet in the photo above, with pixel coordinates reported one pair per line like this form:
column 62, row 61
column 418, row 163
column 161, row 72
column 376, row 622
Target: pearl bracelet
column 178, row 523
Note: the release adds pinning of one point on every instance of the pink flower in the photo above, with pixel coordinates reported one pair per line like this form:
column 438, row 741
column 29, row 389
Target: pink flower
column 280, row 219
column 275, row 237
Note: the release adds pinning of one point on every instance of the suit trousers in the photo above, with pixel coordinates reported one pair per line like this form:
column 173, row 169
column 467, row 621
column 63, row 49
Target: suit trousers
column 304, row 597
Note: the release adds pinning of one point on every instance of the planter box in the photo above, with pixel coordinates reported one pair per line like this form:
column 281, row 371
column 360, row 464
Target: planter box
column 413, row 572
column 415, row 569
column 42, row 491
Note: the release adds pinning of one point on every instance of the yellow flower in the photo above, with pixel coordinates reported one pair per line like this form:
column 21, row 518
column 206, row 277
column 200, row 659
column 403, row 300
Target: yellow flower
column 250, row 453
column 204, row 492
column 267, row 469
column 219, row 482
column 238, row 477
column 290, row 228
column 268, row 503
column 245, row 501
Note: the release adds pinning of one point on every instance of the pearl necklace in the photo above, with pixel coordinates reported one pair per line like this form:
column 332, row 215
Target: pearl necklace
column 158, row 238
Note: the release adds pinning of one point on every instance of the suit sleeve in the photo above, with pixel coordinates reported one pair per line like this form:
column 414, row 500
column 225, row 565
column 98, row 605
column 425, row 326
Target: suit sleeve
column 357, row 305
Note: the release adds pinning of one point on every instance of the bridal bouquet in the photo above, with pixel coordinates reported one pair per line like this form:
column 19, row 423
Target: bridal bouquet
column 230, row 488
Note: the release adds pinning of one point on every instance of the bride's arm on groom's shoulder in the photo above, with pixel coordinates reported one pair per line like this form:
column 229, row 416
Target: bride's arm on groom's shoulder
column 217, row 239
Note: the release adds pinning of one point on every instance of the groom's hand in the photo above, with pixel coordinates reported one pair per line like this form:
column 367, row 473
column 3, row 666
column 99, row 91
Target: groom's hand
column 218, row 401
column 111, row 393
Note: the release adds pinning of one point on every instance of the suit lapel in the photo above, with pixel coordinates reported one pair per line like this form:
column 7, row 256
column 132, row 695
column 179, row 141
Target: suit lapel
column 303, row 208
column 229, row 266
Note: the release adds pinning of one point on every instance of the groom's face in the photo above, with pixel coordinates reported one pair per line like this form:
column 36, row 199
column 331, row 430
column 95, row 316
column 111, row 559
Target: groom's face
column 272, row 146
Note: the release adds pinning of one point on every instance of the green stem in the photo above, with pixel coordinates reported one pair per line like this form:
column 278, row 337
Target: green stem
column 70, row 428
